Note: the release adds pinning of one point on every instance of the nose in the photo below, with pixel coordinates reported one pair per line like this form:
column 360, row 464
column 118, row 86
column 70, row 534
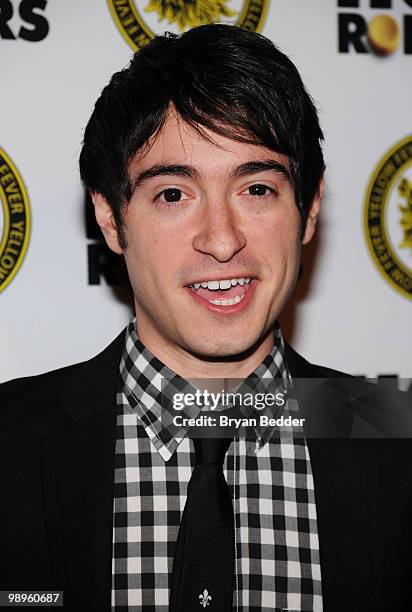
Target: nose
column 219, row 234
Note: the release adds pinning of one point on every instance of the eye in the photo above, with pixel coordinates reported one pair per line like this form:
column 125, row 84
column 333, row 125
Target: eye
column 171, row 196
column 259, row 190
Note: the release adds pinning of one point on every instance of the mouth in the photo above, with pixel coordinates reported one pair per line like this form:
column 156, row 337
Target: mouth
column 228, row 295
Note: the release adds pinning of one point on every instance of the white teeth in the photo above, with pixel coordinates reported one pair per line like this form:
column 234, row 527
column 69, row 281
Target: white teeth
column 225, row 284
column 229, row 302
column 214, row 285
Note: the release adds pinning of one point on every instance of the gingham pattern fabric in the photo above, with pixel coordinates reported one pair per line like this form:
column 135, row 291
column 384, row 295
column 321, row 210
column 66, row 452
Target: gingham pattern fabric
column 277, row 552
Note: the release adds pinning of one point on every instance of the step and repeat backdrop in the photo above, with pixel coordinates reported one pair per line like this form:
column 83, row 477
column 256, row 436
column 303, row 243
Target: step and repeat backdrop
column 62, row 295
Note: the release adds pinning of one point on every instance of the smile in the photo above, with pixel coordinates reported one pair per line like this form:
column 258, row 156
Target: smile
column 224, row 285
column 229, row 295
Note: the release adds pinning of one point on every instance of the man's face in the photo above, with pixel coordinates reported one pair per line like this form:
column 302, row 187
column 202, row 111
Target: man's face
column 213, row 251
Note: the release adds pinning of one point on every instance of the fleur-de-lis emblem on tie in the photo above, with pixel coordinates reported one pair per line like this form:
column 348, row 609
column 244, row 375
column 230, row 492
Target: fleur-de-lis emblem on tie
column 205, row 598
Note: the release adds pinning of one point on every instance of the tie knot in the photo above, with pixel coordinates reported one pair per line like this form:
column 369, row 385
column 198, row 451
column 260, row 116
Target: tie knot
column 211, row 450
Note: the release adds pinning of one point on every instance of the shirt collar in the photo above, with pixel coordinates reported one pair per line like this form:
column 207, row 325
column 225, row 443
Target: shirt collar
column 147, row 385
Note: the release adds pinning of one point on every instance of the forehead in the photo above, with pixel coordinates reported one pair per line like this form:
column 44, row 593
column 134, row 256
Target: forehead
column 179, row 143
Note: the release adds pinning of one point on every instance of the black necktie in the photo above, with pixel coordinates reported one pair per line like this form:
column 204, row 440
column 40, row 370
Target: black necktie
column 203, row 566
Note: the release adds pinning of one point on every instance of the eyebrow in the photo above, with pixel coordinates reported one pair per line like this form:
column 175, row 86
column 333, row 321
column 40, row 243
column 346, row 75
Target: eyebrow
column 252, row 167
column 165, row 170
column 248, row 168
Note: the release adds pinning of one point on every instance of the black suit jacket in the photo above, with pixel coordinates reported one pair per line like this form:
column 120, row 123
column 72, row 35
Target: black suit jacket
column 57, row 438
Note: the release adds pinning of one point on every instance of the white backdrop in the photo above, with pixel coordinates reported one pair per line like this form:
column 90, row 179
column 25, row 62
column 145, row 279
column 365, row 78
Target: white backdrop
column 347, row 317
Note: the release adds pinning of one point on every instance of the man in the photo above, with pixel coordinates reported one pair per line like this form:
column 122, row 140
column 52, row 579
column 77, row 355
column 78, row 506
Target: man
column 204, row 164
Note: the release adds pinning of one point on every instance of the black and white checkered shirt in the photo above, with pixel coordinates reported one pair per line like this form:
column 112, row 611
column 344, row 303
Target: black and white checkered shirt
column 277, row 551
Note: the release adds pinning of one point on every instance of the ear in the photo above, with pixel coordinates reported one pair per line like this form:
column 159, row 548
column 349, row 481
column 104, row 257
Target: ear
column 105, row 219
column 313, row 213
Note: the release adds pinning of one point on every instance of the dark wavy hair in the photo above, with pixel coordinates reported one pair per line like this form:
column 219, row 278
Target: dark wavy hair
column 231, row 81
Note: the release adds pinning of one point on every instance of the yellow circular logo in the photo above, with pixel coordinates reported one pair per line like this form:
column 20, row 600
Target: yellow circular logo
column 388, row 216
column 14, row 222
column 383, row 34
column 181, row 15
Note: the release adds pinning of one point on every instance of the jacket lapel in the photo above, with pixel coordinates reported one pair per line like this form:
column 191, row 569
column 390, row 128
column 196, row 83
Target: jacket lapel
column 78, row 466
column 350, row 550
column 346, row 492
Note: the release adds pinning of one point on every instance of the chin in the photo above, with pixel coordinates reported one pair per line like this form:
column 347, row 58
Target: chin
column 220, row 347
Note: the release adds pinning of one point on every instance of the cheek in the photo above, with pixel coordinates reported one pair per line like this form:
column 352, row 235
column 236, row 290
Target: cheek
column 153, row 253
column 277, row 242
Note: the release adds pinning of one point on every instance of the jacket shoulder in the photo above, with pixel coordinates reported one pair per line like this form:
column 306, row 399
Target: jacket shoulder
column 301, row 368
column 24, row 398
column 21, row 390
